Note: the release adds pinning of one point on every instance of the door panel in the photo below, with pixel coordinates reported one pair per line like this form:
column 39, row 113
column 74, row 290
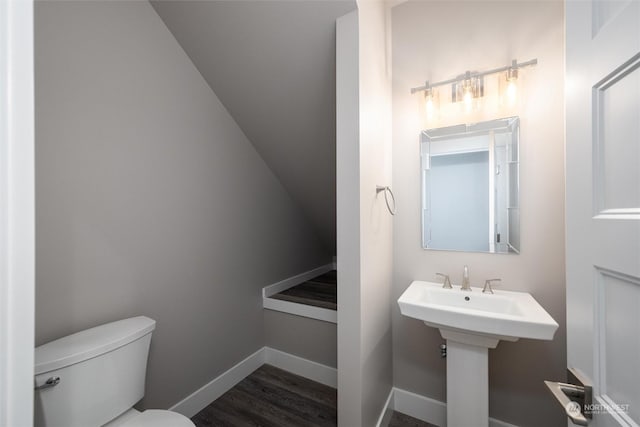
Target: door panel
column 616, row 128
column 603, row 203
column 617, row 335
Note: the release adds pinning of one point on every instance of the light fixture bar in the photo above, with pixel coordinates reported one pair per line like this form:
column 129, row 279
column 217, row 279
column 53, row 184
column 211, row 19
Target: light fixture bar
column 514, row 66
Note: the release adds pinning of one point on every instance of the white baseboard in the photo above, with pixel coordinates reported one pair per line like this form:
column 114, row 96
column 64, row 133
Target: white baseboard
column 424, row 408
column 389, row 405
column 199, row 399
column 305, row 368
column 303, row 310
column 421, row 407
column 497, row 423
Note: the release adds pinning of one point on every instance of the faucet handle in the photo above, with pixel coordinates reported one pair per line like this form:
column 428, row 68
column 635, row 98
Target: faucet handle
column 487, row 286
column 447, row 282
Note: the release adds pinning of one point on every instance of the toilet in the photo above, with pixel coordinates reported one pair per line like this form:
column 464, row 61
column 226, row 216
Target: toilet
column 94, row 377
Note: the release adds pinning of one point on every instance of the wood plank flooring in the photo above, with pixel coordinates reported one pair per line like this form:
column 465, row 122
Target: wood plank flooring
column 271, row 397
column 399, row 419
column 321, row 291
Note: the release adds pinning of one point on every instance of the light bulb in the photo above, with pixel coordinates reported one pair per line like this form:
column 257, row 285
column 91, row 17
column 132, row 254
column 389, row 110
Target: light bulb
column 512, row 91
column 467, row 98
column 430, row 103
column 512, row 79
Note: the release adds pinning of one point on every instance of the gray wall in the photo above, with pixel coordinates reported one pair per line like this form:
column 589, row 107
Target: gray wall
column 308, row 338
column 272, row 63
column 149, row 198
column 436, row 41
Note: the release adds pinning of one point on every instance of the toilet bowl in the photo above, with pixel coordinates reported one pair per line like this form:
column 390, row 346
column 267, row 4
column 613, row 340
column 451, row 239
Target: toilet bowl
column 94, row 377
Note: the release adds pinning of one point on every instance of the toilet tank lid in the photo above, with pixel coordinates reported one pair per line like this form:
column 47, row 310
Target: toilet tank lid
column 90, row 343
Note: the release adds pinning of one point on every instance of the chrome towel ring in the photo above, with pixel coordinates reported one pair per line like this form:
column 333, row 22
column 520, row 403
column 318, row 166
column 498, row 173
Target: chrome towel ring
column 387, row 190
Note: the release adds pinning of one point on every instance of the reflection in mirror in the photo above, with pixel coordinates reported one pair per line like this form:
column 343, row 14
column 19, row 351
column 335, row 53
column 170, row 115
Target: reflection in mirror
column 470, row 197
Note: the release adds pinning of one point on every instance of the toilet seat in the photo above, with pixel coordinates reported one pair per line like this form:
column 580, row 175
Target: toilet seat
column 159, row 418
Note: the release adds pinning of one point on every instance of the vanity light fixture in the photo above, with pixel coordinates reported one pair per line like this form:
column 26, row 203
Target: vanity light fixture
column 470, row 85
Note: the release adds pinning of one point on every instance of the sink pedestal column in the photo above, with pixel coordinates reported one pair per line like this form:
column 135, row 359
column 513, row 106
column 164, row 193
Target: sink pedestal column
column 467, row 378
column 467, row 385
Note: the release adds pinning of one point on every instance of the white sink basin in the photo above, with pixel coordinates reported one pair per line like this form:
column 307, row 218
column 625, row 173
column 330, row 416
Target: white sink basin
column 504, row 315
column 472, row 323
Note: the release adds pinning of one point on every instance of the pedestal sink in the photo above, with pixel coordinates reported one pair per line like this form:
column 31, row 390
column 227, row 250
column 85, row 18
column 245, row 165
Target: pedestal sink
column 472, row 323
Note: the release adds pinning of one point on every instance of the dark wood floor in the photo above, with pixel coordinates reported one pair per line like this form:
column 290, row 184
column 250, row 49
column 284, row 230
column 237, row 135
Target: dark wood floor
column 321, row 291
column 402, row 420
column 271, row 397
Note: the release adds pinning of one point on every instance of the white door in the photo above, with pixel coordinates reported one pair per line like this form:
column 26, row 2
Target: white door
column 603, row 203
column 17, row 243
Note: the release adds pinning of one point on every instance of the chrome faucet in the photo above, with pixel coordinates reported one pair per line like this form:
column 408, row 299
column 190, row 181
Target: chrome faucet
column 466, row 286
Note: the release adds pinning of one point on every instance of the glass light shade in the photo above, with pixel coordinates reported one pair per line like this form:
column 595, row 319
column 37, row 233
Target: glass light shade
column 431, row 103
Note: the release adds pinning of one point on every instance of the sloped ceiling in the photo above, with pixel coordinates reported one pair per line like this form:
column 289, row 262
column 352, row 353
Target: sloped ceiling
column 272, row 64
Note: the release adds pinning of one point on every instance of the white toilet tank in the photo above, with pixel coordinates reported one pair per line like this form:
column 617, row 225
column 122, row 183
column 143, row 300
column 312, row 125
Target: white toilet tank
column 101, row 374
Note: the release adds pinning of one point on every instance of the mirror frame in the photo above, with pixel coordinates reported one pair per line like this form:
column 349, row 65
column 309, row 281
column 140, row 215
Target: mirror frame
column 507, row 124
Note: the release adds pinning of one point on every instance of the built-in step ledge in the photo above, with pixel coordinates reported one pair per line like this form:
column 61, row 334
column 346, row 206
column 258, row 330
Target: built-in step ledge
column 312, row 294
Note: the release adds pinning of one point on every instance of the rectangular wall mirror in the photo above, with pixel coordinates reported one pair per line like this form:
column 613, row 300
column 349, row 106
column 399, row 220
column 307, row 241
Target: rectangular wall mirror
column 470, row 187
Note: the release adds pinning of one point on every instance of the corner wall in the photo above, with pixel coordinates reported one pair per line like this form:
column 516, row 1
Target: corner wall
column 364, row 224
column 435, row 41
column 376, row 222
column 150, row 200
